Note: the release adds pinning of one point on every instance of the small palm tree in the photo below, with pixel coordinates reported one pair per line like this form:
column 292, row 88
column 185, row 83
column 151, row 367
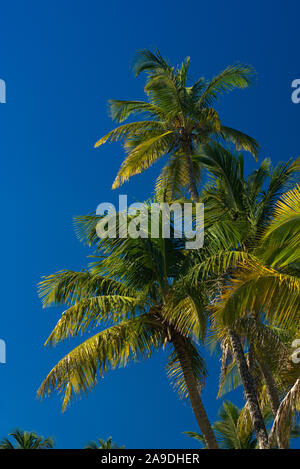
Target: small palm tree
column 180, row 118
column 26, row 440
column 233, row 430
column 229, row 429
column 102, row 444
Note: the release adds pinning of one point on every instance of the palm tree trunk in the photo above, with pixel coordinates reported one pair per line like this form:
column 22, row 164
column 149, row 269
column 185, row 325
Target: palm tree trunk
column 271, row 389
column 273, row 397
column 189, row 164
column 251, row 358
column 249, row 391
column 193, row 391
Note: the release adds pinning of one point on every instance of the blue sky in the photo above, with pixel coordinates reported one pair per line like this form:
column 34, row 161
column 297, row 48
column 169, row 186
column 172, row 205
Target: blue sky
column 62, row 61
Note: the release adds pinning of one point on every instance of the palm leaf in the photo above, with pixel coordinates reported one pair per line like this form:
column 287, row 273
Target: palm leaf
column 78, row 371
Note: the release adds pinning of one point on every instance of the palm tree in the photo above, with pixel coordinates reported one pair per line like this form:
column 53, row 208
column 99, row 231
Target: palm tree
column 272, row 270
column 230, row 429
column 26, row 440
column 243, row 203
column 233, row 430
column 270, row 365
column 133, row 288
column 269, row 282
column 102, row 444
column 180, row 117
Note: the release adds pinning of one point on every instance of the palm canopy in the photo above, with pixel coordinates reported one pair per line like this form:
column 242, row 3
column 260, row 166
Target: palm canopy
column 259, row 277
column 268, row 281
column 103, row 444
column 238, row 211
column 230, row 194
column 130, row 288
column 178, row 118
column 26, row 440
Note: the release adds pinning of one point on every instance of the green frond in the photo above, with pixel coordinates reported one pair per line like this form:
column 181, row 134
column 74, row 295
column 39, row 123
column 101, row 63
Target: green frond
column 163, row 92
column 281, row 241
column 257, row 288
column 174, row 179
column 26, row 440
column 222, row 261
column 120, row 110
column 282, row 178
column 230, row 380
column 242, row 141
column 220, row 162
column 132, row 129
column 92, row 312
column 196, row 436
column 142, row 156
column 234, row 76
column 150, row 62
column 227, row 431
column 68, row 287
column 78, row 371
column 187, row 314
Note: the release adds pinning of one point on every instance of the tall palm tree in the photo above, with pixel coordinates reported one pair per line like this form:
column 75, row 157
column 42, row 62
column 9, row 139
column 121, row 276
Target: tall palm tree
column 180, row 117
column 244, row 203
column 133, row 288
column 269, row 282
column 103, row 444
column 26, row 440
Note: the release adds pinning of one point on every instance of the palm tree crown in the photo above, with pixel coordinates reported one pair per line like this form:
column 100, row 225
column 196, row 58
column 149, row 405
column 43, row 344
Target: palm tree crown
column 103, row 444
column 26, row 440
column 180, row 117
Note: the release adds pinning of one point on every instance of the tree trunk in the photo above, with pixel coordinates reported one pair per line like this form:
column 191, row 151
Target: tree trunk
column 251, row 358
column 193, row 391
column 271, row 389
column 273, row 397
column 189, row 164
column 249, row 391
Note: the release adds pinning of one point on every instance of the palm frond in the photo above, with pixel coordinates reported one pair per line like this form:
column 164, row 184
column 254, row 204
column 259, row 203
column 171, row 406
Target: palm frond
column 259, row 288
column 91, row 312
column 150, row 62
column 241, row 140
column 68, row 287
column 78, row 371
column 120, row 110
column 282, row 238
column 234, row 76
column 130, row 130
column 142, row 156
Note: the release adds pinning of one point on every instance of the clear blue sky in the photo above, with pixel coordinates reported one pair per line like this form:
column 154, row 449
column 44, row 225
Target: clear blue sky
column 62, row 60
